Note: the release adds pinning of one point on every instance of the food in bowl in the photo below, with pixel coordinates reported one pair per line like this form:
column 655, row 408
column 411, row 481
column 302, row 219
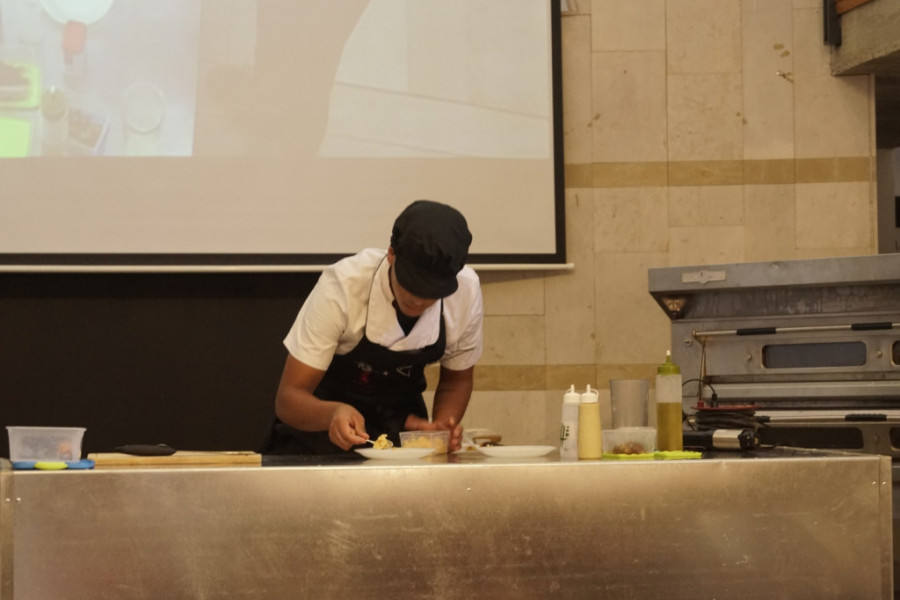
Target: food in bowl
column 629, row 440
column 439, row 440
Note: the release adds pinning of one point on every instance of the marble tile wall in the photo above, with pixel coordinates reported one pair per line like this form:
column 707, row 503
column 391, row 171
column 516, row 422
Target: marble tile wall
column 695, row 132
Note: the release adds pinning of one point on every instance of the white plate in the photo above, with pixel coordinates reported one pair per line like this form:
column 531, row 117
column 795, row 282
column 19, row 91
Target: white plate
column 463, row 452
column 516, row 451
column 85, row 11
column 395, row 453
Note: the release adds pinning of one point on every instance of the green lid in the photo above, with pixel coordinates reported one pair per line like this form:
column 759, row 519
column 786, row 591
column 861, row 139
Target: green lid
column 642, row 456
column 668, row 367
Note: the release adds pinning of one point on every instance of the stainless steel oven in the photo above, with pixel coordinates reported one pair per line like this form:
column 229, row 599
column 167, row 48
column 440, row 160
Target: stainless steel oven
column 806, row 352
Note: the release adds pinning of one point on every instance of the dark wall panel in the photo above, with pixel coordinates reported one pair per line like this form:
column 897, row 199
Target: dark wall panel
column 191, row 360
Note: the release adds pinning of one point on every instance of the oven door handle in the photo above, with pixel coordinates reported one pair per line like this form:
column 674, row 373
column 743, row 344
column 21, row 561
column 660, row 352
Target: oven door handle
column 871, row 326
column 809, row 328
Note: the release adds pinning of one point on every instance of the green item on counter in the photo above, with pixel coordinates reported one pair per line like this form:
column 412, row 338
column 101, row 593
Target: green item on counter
column 677, row 454
column 27, row 95
column 643, row 456
column 15, row 138
column 50, row 465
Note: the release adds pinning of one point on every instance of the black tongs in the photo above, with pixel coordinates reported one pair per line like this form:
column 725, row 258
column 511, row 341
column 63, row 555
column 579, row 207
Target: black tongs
column 146, row 449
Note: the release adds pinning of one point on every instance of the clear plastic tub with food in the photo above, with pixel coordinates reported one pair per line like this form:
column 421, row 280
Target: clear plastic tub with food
column 439, row 440
column 45, row 443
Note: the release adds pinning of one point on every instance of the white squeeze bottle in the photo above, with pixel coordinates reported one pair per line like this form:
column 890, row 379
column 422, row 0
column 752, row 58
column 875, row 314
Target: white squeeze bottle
column 568, row 427
column 590, row 443
column 668, row 406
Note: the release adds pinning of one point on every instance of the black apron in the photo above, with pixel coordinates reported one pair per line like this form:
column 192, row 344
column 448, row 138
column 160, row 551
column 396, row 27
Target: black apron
column 385, row 386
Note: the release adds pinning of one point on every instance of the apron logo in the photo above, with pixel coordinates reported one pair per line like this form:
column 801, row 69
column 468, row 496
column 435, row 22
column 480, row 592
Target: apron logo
column 363, row 373
column 405, row 371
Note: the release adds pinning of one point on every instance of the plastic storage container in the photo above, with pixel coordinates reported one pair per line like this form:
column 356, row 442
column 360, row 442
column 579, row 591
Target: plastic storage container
column 629, row 440
column 45, row 443
column 439, row 440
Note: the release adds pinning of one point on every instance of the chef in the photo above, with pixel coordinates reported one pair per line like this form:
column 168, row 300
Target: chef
column 359, row 346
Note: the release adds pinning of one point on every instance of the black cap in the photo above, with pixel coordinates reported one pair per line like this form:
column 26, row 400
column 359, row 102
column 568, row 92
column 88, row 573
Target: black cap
column 431, row 242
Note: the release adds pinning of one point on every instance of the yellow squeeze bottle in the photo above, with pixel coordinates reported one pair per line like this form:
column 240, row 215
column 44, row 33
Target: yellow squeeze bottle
column 590, row 443
column 669, row 435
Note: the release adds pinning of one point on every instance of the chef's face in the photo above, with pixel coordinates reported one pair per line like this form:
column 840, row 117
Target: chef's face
column 409, row 304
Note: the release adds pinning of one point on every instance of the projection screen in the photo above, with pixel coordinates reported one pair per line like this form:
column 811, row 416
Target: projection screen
column 266, row 133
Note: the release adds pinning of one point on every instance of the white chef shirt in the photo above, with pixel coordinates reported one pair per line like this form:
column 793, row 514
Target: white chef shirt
column 333, row 318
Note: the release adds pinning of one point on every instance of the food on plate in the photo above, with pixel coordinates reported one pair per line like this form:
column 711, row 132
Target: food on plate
column 486, row 442
column 14, row 82
column 487, row 439
column 479, row 438
column 382, row 443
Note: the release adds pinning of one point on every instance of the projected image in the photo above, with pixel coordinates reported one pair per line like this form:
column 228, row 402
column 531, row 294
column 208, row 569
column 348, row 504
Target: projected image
column 98, row 77
column 356, row 78
column 266, row 72
column 281, row 129
column 435, row 78
column 375, row 79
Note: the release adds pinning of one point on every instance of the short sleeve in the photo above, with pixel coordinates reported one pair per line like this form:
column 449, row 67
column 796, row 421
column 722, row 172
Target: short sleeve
column 464, row 316
column 319, row 325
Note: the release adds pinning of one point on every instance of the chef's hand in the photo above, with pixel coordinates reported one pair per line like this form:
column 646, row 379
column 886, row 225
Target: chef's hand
column 347, row 427
column 414, row 423
column 455, row 430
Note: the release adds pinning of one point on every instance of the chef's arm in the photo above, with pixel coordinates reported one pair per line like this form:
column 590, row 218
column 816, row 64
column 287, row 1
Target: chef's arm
column 451, row 398
column 452, row 395
column 295, row 405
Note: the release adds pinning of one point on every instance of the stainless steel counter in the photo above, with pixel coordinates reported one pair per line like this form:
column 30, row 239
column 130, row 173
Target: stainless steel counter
column 779, row 524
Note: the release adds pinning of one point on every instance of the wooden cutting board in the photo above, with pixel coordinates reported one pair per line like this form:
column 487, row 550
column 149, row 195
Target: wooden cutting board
column 180, row 458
